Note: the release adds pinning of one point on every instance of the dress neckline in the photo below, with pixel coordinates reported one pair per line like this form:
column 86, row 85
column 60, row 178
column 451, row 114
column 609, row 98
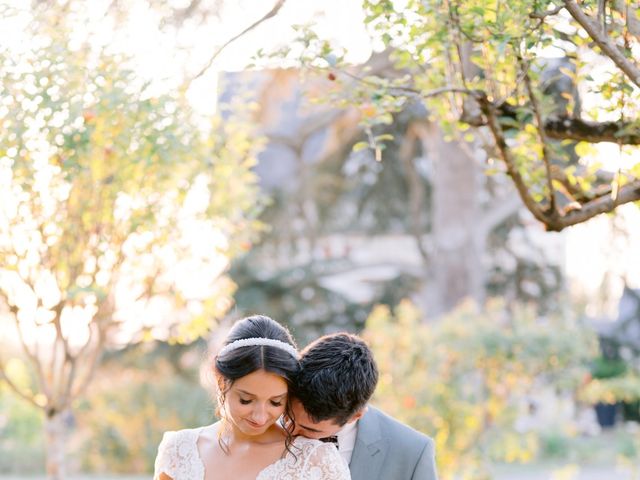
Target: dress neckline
column 261, row 472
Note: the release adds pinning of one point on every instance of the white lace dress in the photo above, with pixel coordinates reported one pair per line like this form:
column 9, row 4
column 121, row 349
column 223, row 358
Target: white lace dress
column 179, row 458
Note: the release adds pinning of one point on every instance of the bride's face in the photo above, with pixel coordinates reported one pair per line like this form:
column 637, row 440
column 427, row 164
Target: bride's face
column 255, row 401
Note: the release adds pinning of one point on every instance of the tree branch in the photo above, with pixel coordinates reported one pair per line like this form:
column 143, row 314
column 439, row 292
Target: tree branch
column 410, row 91
column 542, row 136
column 552, row 220
column 565, row 128
column 629, row 13
column 489, row 110
column 602, row 186
column 35, row 359
column 3, row 376
column 608, row 46
column 627, row 193
column 570, row 128
column 92, row 362
column 272, row 13
column 58, row 326
column 545, row 14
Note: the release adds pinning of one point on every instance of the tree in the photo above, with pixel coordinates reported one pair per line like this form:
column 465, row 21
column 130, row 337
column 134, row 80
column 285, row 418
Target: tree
column 333, row 203
column 119, row 212
column 486, row 65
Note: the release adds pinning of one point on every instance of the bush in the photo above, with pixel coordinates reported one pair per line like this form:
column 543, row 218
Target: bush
column 463, row 379
column 612, row 390
column 138, row 394
column 21, row 443
column 612, row 381
column 608, row 368
column 120, row 424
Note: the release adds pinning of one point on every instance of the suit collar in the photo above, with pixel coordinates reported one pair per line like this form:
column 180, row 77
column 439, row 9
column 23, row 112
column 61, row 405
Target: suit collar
column 369, row 428
column 370, row 448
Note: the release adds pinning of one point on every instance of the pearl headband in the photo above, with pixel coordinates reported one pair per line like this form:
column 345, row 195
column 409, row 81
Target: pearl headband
column 252, row 342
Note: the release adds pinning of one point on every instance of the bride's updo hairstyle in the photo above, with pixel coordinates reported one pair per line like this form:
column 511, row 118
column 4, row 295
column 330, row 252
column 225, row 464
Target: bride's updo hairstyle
column 255, row 343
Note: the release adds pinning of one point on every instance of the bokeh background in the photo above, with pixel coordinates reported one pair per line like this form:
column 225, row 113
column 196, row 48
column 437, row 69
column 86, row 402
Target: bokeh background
column 168, row 167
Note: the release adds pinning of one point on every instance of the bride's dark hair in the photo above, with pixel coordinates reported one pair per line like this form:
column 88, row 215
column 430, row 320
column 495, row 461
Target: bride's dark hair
column 239, row 362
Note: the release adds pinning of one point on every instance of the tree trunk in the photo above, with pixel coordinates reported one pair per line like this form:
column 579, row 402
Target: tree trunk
column 455, row 270
column 55, row 442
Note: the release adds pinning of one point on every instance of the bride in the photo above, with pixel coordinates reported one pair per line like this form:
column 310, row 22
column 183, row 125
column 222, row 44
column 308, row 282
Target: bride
column 254, row 371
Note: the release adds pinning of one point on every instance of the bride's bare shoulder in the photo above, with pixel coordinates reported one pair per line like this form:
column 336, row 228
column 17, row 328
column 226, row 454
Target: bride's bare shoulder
column 208, row 435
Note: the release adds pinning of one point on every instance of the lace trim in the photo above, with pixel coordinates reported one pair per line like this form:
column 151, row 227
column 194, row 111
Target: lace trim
column 311, row 460
column 179, row 458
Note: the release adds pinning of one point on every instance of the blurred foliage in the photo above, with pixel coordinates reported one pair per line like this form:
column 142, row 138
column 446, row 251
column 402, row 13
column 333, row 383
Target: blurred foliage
column 296, row 296
column 612, row 389
column 141, row 393
column 497, row 65
column 449, row 393
column 105, row 180
column 613, row 379
column 316, row 237
column 521, row 270
column 120, row 209
column 464, row 380
column 21, row 441
column 603, row 367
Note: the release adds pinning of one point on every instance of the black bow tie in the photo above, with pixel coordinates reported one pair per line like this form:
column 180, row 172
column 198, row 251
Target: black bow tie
column 332, row 439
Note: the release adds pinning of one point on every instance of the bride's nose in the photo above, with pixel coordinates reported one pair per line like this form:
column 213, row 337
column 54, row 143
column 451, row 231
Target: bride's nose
column 259, row 415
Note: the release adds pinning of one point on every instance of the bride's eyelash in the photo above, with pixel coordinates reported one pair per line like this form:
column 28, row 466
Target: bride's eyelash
column 247, row 402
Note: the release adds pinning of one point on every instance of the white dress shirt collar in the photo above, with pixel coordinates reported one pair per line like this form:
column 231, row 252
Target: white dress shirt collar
column 347, row 440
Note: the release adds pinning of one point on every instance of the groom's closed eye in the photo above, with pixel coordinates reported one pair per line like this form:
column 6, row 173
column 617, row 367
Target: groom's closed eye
column 309, row 429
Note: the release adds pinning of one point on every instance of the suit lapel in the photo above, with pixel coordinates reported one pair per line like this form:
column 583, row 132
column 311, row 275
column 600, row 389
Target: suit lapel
column 370, row 449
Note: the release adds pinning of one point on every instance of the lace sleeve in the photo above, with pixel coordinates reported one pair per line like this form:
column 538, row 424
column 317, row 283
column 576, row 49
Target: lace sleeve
column 325, row 463
column 178, row 456
column 167, row 456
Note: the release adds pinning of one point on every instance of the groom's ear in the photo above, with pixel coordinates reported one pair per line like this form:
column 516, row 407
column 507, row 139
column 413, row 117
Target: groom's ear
column 358, row 415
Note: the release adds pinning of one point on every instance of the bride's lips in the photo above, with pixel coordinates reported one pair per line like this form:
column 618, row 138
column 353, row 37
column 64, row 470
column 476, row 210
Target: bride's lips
column 257, row 426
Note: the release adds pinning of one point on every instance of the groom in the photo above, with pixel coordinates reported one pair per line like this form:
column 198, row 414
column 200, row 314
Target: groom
column 337, row 379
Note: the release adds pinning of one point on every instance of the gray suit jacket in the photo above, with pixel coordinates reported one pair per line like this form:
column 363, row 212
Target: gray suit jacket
column 386, row 449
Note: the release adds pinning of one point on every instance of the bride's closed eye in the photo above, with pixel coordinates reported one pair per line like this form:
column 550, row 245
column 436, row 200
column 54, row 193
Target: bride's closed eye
column 247, row 402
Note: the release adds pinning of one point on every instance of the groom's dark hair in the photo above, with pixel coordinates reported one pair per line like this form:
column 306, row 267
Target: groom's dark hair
column 337, row 378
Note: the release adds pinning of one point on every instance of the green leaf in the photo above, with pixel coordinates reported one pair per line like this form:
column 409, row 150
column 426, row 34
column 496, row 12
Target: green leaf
column 384, row 137
column 361, row 146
